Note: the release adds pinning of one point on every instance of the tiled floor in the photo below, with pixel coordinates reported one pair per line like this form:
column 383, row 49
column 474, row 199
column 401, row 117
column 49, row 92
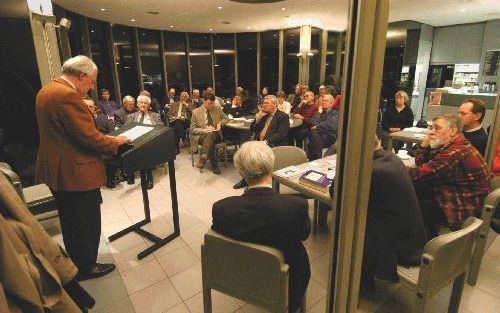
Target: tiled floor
column 170, row 279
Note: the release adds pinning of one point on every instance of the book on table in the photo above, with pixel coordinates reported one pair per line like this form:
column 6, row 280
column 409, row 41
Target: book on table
column 316, row 180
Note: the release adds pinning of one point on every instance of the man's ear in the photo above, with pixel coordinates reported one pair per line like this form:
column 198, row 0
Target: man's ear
column 478, row 116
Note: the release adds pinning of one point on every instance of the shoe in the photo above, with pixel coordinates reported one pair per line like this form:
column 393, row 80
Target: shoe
column 96, row 270
column 110, row 184
column 242, row 183
column 177, row 150
column 216, row 169
column 202, row 161
column 130, row 180
column 150, row 184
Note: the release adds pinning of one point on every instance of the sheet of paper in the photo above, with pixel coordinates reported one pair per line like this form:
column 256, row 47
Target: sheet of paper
column 330, row 174
column 136, row 132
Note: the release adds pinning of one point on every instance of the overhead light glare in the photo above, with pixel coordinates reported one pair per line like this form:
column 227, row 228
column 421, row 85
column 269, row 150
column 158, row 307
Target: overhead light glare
column 171, row 26
column 220, row 8
column 103, row 9
column 132, row 20
column 283, row 9
column 248, row 27
column 211, row 29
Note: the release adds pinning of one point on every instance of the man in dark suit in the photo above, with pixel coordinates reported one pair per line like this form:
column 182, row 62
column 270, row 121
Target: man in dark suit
column 127, row 108
column 169, row 99
column 69, row 161
column 107, row 106
column 263, row 217
column 146, row 117
column 271, row 126
column 177, row 117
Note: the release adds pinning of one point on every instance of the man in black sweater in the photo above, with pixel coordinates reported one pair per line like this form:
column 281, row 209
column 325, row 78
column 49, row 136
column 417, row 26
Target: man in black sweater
column 471, row 112
column 263, row 217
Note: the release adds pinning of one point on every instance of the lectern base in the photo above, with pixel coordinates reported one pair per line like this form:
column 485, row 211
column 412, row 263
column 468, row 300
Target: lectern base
column 158, row 242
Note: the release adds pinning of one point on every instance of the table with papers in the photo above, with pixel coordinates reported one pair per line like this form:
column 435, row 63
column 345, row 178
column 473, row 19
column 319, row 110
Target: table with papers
column 410, row 134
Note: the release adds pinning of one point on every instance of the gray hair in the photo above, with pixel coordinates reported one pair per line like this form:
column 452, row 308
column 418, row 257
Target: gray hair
column 196, row 91
column 272, row 98
column 402, row 93
column 128, row 98
column 144, row 98
column 329, row 97
column 254, row 160
column 79, row 65
column 452, row 120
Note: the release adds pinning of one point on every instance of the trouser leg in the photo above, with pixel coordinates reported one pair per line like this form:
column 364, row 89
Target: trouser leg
column 302, row 133
column 315, row 146
column 178, row 131
column 208, row 142
column 80, row 218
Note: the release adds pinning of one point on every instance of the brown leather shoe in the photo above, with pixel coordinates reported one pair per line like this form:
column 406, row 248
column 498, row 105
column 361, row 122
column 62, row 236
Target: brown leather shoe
column 202, row 161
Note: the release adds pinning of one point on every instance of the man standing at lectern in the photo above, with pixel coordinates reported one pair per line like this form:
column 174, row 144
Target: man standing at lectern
column 69, row 161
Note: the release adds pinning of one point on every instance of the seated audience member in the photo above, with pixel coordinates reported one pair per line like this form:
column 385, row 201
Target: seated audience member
column 322, row 93
column 270, row 126
column 295, row 98
column 235, row 108
column 337, row 102
column 207, row 122
column 324, row 129
column 304, row 111
column 397, row 117
column 146, row 117
column 283, row 106
column 155, row 106
column 395, row 232
column 263, row 217
column 177, row 116
column 451, row 177
column 195, row 101
column 263, row 94
column 169, row 99
column 128, row 107
column 218, row 100
column 471, row 112
column 108, row 106
column 103, row 123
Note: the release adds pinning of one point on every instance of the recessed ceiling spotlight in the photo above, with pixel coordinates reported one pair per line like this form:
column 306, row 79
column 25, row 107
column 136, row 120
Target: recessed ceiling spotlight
column 211, row 29
column 92, row 31
column 132, row 20
column 220, row 8
column 462, row 10
column 275, row 35
column 283, row 9
column 171, row 26
column 103, row 9
column 248, row 27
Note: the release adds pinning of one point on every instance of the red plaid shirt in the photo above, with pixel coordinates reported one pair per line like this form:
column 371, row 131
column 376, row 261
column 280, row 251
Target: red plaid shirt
column 458, row 175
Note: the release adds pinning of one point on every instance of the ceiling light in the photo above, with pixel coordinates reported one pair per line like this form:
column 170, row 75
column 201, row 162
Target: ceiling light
column 103, row 9
column 248, row 27
column 220, row 8
column 171, row 26
column 462, row 10
column 132, row 20
column 275, row 35
column 211, row 29
column 283, row 9
column 92, row 31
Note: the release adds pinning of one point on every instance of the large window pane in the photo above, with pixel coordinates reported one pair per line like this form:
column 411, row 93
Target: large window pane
column 291, row 71
column 75, row 33
column 176, row 61
column 125, row 60
column 99, row 45
column 224, row 65
column 149, row 50
column 201, row 61
column 269, row 60
column 315, row 59
column 247, row 62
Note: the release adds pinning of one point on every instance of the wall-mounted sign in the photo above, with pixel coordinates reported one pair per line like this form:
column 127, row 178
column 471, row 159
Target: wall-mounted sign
column 491, row 60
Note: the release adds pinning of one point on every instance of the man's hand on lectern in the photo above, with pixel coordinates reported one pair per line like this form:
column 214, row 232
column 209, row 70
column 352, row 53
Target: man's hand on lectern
column 122, row 140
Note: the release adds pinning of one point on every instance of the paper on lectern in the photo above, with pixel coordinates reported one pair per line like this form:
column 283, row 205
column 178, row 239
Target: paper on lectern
column 136, row 132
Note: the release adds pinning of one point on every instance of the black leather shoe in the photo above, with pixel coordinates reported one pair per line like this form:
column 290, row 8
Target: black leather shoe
column 202, row 161
column 97, row 270
column 216, row 170
column 242, row 183
column 150, row 184
column 130, row 180
column 110, row 184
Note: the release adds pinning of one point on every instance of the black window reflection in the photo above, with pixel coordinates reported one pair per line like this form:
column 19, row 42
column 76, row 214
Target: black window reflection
column 224, row 65
column 247, row 61
column 149, row 51
column 201, row 60
column 125, row 60
column 176, row 61
column 100, row 47
column 291, row 61
column 315, row 60
column 269, row 60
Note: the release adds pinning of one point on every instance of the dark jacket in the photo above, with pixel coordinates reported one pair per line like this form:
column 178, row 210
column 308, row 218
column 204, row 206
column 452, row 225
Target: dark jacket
column 121, row 116
column 327, row 124
column 277, row 133
column 281, row 221
column 478, row 139
column 392, row 118
column 104, row 124
column 394, row 225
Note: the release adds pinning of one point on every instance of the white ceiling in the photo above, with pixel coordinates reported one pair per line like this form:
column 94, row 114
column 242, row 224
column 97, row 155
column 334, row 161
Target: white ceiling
column 203, row 15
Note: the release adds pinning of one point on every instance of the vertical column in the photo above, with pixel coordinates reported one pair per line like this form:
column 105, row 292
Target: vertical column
column 212, row 58
column 304, row 50
column 366, row 31
column 258, row 64
column 338, row 56
column 137, row 53
column 421, row 70
column 43, row 29
column 108, row 33
column 188, row 65
column 323, row 51
column 163, row 61
column 235, row 61
column 281, row 59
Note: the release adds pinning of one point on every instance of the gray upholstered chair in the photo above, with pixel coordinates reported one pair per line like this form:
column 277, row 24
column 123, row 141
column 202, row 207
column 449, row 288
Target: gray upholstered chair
column 38, row 198
column 221, row 146
column 253, row 273
column 436, row 271
column 491, row 202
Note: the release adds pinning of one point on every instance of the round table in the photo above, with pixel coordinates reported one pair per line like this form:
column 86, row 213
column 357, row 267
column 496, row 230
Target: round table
column 245, row 125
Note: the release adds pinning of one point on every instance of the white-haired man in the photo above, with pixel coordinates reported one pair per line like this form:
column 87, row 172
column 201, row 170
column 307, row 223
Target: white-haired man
column 147, row 117
column 128, row 107
column 177, row 116
column 263, row 217
column 69, row 161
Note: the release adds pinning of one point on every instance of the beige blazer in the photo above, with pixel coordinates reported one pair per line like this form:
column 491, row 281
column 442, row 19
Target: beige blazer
column 34, row 266
column 199, row 120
